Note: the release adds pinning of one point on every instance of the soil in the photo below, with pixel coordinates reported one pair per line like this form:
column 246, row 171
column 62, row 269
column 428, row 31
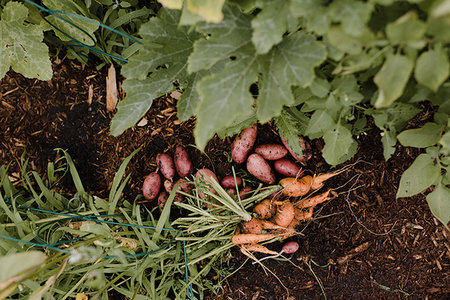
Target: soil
column 364, row 244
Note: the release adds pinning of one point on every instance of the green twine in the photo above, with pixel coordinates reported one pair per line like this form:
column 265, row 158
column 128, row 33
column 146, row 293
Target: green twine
column 58, row 13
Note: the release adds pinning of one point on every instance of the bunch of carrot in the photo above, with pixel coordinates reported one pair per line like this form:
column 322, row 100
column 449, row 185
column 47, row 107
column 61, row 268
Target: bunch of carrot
column 275, row 219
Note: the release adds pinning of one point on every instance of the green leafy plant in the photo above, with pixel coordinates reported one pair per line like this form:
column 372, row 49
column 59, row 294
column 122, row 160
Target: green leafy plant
column 321, row 69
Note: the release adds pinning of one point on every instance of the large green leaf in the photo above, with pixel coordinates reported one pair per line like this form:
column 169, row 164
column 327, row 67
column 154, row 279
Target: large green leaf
column 353, row 15
column 210, row 10
column 226, row 39
column 21, row 44
column 418, row 177
column 426, row 136
column 225, row 96
column 140, row 95
column 392, row 78
column 85, row 36
column 270, row 24
column 319, row 123
column 290, row 127
column 406, row 29
column 316, row 14
column 439, row 202
column 151, row 72
column 432, row 68
column 164, row 42
column 337, row 144
column 445, row 142
column 189, row 101
column 290, row 63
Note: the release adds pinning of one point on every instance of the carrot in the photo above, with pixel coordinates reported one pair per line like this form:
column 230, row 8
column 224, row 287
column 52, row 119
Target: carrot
column 317, row 181
column 250, row 238
column 311, row 202
column 294, row 187
column 269, row 225
column 300, row 215
column 285, row 214
column 264, row 209
column 253, row 226
column 258, row 248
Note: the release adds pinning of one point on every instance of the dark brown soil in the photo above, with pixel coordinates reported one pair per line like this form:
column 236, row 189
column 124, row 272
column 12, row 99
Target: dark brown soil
column 364, row 244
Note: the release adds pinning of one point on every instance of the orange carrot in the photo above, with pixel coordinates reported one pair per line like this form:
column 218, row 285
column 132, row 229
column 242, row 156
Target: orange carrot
column 285, row 214
column 311, row 202
column 259, row 248
column 301, row 215
column 250, row 238
column 253, row 226
column 317, row 181
column 269, row 225
column 264, row 209
column 294, row 187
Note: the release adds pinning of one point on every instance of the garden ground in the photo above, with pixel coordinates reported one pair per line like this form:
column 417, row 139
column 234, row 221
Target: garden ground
column 364, row 244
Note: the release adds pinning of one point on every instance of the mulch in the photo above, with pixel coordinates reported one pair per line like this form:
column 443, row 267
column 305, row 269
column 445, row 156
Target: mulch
column 364, row 244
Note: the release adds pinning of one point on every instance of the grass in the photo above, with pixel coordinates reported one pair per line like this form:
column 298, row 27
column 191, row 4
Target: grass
column 60, row 246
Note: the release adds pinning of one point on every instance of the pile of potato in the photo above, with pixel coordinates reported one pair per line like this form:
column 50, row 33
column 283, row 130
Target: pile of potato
column 257, row 162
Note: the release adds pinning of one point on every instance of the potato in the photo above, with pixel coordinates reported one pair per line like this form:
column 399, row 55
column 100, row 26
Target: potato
column 271, row 151
column 185, row 186
column 207, row 175
column 228, row 182
column 258, row 167
column 162, row 199
column 287, row 168
column 183, row 164
column 307, row 153
column 245, row 192
column 165, row 165
column 168, row 185
column 151, row 186
column 290, row 247
column 243, row 144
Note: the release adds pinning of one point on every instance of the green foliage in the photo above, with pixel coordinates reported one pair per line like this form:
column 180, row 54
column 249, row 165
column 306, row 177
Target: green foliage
column 21, row 45
column 321, row 68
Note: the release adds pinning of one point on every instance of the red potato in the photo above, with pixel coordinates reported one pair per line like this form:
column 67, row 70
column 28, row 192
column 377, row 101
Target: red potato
column 185, row 186
column 168, row 185
column 288, row 168
column 258, row 167
column 271, row 151
column 162, row 199
column 228, row 182
column 183, row 164
column 166, row 165
column 208, row 176
column 307, row 153
column 290, row 247
column 231, row 192
column 151, row 186
column 245, row 192
column 243, row 144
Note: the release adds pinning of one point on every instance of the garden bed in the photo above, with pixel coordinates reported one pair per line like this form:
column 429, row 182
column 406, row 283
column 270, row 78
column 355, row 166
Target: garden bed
column 363, row 244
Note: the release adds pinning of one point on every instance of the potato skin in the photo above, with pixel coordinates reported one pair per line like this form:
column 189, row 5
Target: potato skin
column 258, row 167
column 307, row 153
column 290, row 247
column 183, row 164
column 162, row 199
column 228, row 182
column 207, row 175
column 288, row 168
column 166, row 165
column 151, row 186
column 245, row 192
column 243, row 144
column 271, row 151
